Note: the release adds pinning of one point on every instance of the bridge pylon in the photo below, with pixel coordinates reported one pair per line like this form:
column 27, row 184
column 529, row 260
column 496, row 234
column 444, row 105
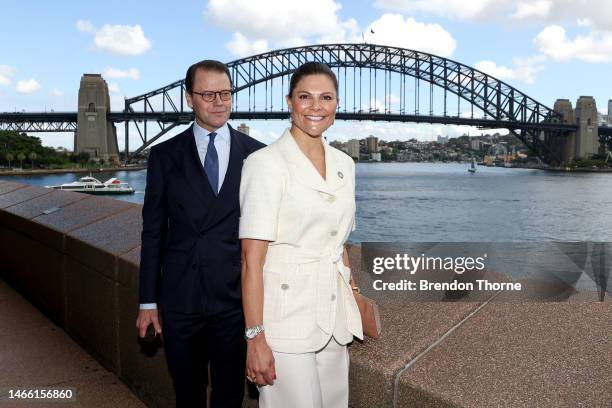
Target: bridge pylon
column 564, row 144
column 587, row 137
column 95, row 134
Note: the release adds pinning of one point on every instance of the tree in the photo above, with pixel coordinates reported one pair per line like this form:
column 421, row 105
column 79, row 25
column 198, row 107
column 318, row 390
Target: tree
column 32, row 157
column 21, row 157
column 9, row 157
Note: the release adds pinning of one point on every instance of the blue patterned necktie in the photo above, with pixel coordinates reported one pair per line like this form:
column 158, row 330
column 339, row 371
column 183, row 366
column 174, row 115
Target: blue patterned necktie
column 211, row 163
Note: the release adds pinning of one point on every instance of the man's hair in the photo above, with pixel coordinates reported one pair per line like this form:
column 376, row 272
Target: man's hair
column 206, row 65
column 312, row 68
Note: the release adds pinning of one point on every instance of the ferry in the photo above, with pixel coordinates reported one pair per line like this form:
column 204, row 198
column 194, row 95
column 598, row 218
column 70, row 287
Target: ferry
column 92, row 185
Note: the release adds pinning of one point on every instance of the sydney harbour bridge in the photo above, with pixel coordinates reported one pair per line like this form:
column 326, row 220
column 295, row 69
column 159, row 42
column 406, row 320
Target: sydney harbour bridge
column 377, row 83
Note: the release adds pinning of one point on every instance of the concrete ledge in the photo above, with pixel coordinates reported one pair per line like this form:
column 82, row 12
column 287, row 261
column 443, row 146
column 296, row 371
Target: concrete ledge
column 519, row 355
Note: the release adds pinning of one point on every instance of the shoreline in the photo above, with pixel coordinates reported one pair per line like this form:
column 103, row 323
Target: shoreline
column 134, row 168
column 515, row 166
column 71, row 170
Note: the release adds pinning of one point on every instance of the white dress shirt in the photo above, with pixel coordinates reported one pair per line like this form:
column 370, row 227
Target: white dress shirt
column 222, row 144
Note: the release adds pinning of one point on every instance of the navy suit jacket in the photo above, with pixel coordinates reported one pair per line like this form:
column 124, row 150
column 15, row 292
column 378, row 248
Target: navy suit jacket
column 190, row 255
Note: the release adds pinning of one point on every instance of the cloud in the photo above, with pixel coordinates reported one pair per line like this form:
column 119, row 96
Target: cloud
column 84, row 26
column 123, row 40
column 131, row 73
column 56, row 92
column 242, row 46
column 113, row 87
column 292, row 23
column 5, row 73
column 529, row 9
column 598, row 12
column 524, row 70
column 594, row 47
column 458, row 9
column 393, row 29
column 27, row 86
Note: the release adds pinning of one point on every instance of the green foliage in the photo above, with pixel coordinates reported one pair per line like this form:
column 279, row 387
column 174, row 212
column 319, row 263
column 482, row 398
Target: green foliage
column 386, row 156
column 592, row 163
column 19, row 146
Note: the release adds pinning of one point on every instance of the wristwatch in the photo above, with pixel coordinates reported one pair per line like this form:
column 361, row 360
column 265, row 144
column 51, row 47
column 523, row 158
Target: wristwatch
column 251, row 332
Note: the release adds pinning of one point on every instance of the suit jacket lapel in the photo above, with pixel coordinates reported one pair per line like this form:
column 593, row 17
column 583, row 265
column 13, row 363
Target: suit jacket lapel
column 305, row 172
column 187, row 159
column 231, row 182
column 234, row 166
column 335, row 173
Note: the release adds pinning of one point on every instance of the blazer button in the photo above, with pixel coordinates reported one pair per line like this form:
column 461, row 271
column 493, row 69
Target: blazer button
column 333, row 233
column 333, row 297
column 284, row 286
column 194, row 266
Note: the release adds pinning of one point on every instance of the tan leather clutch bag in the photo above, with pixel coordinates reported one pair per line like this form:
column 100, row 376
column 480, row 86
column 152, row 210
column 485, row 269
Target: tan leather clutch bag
column 370, row 318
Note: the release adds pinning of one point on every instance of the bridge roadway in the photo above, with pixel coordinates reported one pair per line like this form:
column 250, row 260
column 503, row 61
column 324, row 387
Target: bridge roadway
column 66, row 121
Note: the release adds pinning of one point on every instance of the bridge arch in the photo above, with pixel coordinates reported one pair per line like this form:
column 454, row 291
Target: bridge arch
column 499, row 104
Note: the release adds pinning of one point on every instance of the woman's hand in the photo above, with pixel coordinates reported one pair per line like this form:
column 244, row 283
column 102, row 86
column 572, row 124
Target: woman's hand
column 260, row 361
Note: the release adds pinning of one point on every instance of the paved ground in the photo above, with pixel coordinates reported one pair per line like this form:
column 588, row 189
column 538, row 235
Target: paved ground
column 35, row 353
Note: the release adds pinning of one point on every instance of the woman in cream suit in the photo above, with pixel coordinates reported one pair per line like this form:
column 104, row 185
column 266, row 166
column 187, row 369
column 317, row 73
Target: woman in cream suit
column 297, row 202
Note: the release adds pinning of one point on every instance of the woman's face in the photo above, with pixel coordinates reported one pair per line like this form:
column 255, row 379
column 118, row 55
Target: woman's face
column 313, row 104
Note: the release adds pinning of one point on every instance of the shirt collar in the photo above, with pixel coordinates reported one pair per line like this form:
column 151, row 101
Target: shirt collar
column 223, row 133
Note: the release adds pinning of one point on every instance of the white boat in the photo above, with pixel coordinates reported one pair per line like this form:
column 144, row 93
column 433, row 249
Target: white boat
column 92, row 185
column 472, row 168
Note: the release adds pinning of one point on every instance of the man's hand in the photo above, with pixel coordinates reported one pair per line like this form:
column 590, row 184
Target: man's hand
column 260, row 361
column 146, row 317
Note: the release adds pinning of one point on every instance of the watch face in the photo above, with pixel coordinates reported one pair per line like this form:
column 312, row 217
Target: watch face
column 252, row 332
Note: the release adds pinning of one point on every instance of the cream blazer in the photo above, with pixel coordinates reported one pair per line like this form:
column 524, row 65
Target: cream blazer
column 284, row 200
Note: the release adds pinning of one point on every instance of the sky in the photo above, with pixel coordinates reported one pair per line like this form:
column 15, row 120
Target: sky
column 548, row 49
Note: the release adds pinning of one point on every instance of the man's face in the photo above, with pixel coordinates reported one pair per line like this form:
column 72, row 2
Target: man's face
column 210, row 115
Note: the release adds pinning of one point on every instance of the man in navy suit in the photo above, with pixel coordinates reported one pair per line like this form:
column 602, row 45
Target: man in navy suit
column 190, row 258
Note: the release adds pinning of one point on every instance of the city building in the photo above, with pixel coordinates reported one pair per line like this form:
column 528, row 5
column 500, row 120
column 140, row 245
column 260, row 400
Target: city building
column 372, row 144
column 243, row 128
column 442, row 139
column 475, row 144
column 376, row 157
column 610, row 111
column 353, row 148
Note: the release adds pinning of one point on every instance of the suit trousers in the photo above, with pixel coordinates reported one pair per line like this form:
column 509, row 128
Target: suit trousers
column 309, row 380
column 192, row 341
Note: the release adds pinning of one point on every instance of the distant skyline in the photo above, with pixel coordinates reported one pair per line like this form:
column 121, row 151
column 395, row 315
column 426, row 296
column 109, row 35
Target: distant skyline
column 548, row 49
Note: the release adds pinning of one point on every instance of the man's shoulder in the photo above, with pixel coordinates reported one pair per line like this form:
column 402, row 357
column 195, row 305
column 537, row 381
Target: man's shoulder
column 170, row 144
column 247, row 141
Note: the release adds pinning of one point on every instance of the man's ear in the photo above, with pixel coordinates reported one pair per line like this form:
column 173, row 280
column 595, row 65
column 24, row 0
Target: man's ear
column 188, row 99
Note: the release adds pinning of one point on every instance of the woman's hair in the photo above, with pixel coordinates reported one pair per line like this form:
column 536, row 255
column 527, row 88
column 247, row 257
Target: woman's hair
column 312, row 68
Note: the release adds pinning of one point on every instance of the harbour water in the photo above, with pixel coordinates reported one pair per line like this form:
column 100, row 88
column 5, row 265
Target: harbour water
column 429, row 202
